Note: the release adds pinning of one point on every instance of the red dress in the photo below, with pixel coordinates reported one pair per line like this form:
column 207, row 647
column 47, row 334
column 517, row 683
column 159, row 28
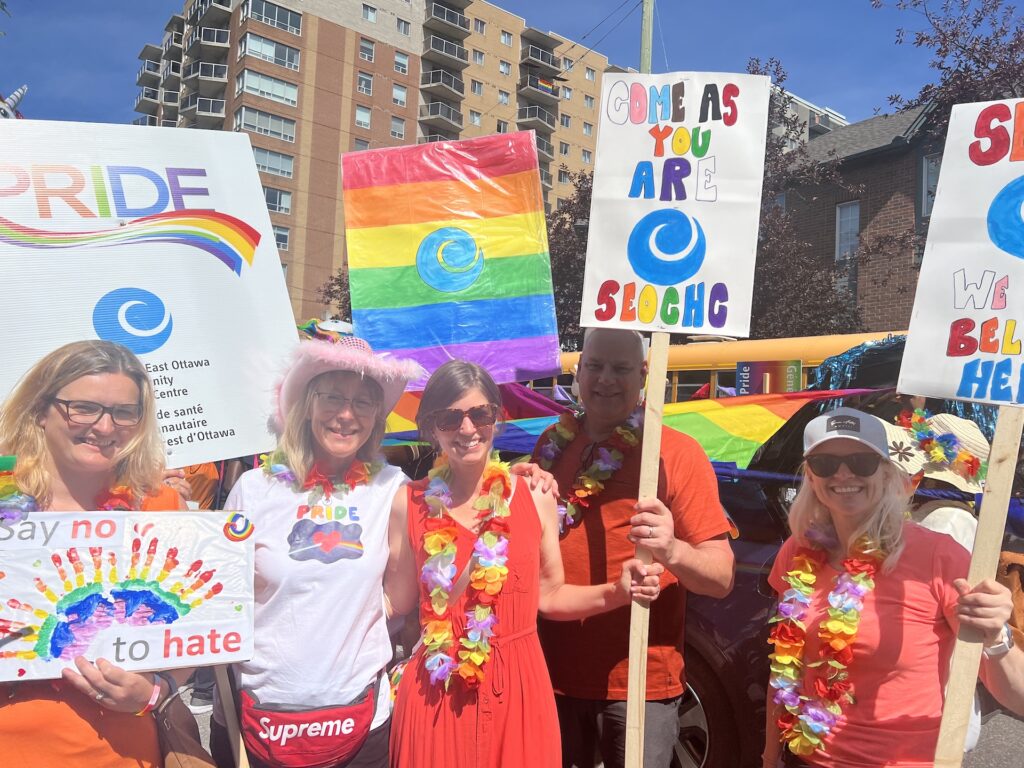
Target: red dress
column 509, row 720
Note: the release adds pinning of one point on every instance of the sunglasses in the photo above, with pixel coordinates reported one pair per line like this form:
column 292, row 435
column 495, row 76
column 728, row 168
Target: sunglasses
column 827, row 464
column 450, row 419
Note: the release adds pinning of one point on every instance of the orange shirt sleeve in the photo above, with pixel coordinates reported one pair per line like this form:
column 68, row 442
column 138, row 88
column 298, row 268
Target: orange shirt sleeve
column 163, row 499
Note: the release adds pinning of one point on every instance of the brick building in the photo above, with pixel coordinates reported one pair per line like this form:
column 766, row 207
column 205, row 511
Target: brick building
column 895, row 169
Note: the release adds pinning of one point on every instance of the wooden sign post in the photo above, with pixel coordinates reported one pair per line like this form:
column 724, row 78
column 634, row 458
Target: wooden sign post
column 963, row 675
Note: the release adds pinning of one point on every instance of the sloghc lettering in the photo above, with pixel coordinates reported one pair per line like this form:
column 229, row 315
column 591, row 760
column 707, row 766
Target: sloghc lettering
column 281, row 733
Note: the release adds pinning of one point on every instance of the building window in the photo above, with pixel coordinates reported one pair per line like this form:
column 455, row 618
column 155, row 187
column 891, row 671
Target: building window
column 847, row 229
column 360, row 144
column 503, row 97
column 505, row 67
column 588, row 156
column 476, row 87
column 479, row 26
column 478, row 57
column 502, row 126
column 563, row 148
column 364, row 83
column 362, row 116
column 266, row 86
column 568, row 64
column 269, row 50
column 401, row 62
column 591, row 74
column 566, row 121
column 281, row 237
column 399, row 94
column 563, row 176
column 276, row 163
column 588, row 101
column 404, row 27
column 506, row 37
column 929, row 182
column 397, row 128
column 257, row 121
column 278, row 200
column 365, row 49
column 369, row 13
column 588, row 129
column 567, row 93
column 274, row 15
column 474, row 117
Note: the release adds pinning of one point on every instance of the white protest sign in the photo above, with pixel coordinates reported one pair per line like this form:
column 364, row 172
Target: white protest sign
column 968, row 318
column 159, row 239
column 142, row 590
column 676, row 202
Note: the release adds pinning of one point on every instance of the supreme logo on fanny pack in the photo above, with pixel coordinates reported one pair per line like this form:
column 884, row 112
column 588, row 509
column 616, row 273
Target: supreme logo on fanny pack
column 283, row 731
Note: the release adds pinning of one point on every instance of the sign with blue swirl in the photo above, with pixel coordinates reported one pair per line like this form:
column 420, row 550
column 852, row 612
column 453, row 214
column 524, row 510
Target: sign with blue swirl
column 676, row 202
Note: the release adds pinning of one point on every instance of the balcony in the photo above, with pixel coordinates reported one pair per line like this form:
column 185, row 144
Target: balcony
column 151, row 52
column 545, row 179
column 149, row 74
column 544, row 62
column 440, row 82
column 540, row 89
column 536, row 117
column 446, row 21
column 206, row 78
column 208, row 42
column 172, row 44
column 170, row 74
column 437, row 114
column 169, row 98
column 146, row 120
column 148, row 100
column 205, row 112
column 210, row 12
column 430, row 138
column 445, row 52
column 545, row 148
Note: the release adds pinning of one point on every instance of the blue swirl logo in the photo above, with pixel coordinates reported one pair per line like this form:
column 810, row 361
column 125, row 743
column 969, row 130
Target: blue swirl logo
column 134, row 318
column 1006, row 218
column 449, row 260
column 666, row 247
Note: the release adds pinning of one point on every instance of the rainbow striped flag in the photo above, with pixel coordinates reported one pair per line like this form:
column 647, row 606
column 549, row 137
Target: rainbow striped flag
column 448, row 254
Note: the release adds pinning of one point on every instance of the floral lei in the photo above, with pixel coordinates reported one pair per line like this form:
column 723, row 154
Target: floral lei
column 607, row 461
column 488, row 575
column 15, row 506
column 808, row 721
column 317, row 483
column 943, row 449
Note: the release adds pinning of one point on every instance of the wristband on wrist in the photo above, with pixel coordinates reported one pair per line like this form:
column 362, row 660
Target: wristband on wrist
column 151, row 705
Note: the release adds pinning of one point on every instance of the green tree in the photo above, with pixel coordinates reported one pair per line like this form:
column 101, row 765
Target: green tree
column 334, row 294
column 567, row 243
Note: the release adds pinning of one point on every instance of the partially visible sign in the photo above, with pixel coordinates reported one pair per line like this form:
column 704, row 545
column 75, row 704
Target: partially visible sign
column 144, row 591
column 774, row 376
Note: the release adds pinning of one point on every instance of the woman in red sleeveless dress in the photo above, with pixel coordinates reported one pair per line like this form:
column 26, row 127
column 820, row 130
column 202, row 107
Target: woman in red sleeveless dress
column 480, row 552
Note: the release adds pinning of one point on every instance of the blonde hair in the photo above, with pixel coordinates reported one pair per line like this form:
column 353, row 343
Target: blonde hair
column 140, row 463
column 811, row 522
column 295, row 446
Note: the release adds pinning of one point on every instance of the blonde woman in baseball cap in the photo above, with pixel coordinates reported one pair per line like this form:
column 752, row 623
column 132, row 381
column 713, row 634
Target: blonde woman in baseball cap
column 868, row 611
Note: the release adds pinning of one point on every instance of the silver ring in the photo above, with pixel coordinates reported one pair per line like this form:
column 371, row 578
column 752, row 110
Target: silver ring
column 100, row 696
column 650, row 532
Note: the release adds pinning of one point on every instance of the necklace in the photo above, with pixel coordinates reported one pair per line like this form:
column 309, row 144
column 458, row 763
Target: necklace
column 15, row 506
column 809, row 719
column 486, row 579
column 318, row 483
column 607, row 460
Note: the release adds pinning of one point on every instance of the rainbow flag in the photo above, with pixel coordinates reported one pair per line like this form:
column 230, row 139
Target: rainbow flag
column 448, row 254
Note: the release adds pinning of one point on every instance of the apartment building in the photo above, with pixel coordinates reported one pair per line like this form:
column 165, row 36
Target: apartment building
column 310, row 79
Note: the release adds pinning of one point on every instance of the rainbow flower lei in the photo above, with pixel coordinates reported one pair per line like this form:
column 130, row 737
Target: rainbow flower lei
column 808, row 720
column 607, row 461
column 487, row 577
column 317, row 483
column 15, row 506
column 942, row 449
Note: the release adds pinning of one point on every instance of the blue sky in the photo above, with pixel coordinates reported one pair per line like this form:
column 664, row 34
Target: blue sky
column 79, row 57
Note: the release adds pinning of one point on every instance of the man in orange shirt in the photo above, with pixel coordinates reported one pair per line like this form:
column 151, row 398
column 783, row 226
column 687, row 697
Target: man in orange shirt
column 684, row 528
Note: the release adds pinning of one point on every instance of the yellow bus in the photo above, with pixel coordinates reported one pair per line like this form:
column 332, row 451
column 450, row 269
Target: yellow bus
column 713, row 362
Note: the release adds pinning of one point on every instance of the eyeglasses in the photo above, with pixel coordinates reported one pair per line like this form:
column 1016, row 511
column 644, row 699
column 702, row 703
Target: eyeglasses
column 88, row 412
column 450, row 419
column 332, row 403
column 827, row 464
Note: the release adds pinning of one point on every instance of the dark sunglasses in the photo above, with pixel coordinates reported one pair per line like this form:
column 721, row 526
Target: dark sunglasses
column 827, row 464
column 450, row 419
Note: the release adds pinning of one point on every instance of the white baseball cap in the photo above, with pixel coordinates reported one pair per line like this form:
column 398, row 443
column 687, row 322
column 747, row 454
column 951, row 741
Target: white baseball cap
column 848, row 423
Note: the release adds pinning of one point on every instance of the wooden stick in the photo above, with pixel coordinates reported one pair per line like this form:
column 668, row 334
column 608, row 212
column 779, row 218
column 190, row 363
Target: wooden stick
column 963, row 675
column 227, row 703
column 639, row 617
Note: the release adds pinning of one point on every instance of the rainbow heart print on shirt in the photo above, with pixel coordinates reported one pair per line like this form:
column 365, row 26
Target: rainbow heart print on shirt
column 448, row 254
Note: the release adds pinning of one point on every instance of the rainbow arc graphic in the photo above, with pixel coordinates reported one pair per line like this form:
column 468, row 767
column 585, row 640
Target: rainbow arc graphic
column 448, row 254
column 88, row 596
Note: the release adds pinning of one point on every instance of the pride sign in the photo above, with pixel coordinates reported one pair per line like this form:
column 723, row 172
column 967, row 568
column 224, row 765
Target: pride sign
column 968, row 320
column 448, row 254
column 676, row 200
